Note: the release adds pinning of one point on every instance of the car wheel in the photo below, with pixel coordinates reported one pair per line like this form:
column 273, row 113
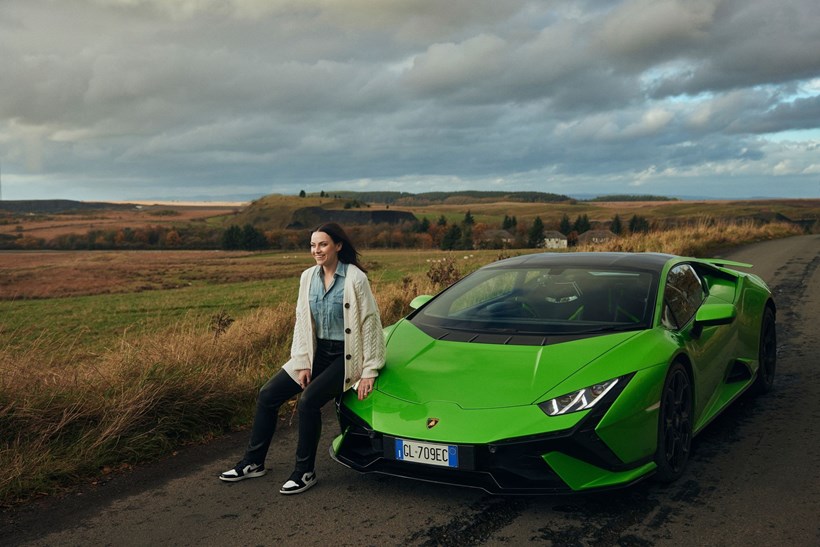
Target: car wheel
column 767, row 356
column 674, row 424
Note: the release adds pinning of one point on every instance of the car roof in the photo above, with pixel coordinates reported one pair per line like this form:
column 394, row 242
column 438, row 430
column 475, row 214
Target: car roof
column 637, row 261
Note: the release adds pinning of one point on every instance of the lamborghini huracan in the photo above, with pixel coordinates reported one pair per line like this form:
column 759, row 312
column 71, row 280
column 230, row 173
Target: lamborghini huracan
column 562, row 372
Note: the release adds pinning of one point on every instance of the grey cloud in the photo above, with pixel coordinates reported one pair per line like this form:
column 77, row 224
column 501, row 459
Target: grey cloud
column 795, row 115
column 642, row 32
column 266, row 93
column 752, row 42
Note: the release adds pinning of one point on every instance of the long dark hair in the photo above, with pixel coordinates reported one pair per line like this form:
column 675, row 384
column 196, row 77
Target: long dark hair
column 348, row 253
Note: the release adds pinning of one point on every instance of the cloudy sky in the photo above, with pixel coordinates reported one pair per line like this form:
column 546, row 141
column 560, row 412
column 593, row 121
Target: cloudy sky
column 219, row 99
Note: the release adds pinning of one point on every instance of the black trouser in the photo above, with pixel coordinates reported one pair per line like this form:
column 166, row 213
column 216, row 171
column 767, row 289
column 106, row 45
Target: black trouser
column 327, row 381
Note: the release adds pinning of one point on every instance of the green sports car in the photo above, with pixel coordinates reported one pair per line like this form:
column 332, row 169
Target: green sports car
column 562, row 372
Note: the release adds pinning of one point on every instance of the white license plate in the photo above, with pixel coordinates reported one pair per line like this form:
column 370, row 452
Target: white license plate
column 429, row 453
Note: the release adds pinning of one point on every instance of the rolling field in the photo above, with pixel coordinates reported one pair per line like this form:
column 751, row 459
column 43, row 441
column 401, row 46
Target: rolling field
column 142, row 215
column 98, row 298
column 102, row 378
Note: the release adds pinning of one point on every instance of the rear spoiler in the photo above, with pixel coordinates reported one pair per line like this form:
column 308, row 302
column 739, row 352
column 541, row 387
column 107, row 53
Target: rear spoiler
column 726, row 263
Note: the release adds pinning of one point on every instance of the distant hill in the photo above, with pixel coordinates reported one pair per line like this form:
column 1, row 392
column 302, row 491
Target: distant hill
column 429, row 198
column 54, row 206
column 277, row 211
column 632, row 197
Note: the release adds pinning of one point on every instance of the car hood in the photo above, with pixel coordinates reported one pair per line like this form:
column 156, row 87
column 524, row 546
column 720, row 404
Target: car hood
column 421, row 369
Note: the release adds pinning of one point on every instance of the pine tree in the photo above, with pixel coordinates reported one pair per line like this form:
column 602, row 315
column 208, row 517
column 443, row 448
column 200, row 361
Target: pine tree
column 565, row 226
column 253, row 239
column 232, row 238
column 466, row 241
column 581, row 224
column 535, row 236
column 616, row 227
column 451, row 238
column 638, row 224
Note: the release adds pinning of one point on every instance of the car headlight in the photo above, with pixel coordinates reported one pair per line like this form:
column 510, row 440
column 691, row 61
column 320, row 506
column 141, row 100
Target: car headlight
column 576, row 401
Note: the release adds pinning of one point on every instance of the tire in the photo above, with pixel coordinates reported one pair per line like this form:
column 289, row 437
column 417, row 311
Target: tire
column 767, row 354
column 674, row 424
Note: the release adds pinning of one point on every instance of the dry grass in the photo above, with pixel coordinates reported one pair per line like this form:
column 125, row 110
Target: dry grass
column 141, row 399
column 54, row 274
column 134, row 403
column 137, row 400
column 705, row 237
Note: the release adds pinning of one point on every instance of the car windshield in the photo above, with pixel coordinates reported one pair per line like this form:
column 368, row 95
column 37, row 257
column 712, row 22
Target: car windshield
column 542, row 301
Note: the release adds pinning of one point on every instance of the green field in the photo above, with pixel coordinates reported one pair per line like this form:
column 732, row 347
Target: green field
column 95, row 323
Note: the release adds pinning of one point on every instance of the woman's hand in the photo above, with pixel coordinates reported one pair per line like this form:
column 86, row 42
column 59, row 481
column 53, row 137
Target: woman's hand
column 303, row 377
column 365, row 387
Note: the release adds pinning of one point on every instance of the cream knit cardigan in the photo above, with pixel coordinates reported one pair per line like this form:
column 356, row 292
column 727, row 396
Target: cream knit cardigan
column 364, row 338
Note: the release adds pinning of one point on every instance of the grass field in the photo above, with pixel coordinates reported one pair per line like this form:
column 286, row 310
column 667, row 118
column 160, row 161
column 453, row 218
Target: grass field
column 48, row 226
column 108, row 359
column 95, row 297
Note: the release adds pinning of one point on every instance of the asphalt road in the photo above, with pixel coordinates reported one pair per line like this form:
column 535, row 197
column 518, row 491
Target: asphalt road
column 753, row 478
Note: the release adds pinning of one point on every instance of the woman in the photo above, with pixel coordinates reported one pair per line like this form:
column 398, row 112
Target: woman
column 337, row 342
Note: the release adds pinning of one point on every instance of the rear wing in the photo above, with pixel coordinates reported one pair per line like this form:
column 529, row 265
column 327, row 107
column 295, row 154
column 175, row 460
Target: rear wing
column 726, row 263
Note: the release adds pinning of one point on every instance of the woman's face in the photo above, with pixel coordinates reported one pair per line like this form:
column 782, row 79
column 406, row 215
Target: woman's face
column 323, row 250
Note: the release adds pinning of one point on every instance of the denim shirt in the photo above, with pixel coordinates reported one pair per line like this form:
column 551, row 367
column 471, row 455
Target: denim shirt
column 327, row 306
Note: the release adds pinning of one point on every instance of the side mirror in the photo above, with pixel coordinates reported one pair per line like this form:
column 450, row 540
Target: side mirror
column 710, row 315
column 420, row 300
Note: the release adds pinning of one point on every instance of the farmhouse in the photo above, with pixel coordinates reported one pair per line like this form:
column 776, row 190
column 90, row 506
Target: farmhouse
column 555, row 240
column 595, row 236
column 495, row 239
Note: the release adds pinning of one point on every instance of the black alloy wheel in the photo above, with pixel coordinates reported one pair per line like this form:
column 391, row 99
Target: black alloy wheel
column 674, row 424
column 768, row 353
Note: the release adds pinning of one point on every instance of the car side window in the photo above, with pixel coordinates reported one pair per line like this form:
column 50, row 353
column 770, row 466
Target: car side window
column 682, row 296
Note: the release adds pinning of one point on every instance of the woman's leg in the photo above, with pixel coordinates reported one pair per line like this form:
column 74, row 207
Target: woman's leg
column 324, row 387
column 276, row 391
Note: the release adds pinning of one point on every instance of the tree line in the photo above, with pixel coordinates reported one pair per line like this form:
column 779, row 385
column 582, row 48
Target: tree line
column 440, row 233
column 469, row 235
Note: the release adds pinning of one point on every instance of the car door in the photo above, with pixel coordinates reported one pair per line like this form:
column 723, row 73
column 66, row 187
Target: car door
column 709, row 348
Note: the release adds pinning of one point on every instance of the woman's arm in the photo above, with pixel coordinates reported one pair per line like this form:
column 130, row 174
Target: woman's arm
column 302, row 329
column 372, row 333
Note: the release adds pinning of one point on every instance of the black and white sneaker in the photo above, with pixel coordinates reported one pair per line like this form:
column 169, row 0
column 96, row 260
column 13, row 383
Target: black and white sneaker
column 298, row 483
column 243, row 471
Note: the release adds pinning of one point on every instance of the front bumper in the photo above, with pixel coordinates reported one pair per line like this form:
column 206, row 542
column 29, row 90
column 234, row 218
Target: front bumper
column 560, row 462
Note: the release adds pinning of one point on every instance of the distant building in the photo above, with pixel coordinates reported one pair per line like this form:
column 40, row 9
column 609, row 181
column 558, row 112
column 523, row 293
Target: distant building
column 554, row 240
column 591, row 237
column 494, row 239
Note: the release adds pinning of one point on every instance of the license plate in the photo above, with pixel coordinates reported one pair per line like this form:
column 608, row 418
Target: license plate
column 430, row 453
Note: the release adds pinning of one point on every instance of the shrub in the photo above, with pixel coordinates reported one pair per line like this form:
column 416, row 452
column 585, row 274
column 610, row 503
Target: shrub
column 443, row 273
